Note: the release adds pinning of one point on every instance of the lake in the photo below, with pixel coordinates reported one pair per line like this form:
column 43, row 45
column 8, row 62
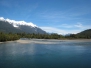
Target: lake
column 34, row 53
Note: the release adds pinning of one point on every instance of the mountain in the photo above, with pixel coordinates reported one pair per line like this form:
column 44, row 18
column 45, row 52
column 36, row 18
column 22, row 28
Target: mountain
column 85, row 34
column 7, row 25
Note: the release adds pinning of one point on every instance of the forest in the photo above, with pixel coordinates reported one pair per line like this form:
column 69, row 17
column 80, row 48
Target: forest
column 8, row 37
column 15, row 36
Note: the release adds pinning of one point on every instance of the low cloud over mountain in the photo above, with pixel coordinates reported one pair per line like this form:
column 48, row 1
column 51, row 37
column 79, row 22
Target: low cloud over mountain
column 7, row 25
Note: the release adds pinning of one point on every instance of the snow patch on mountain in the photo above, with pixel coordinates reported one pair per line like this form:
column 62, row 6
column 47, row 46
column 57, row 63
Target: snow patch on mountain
column 18, row 23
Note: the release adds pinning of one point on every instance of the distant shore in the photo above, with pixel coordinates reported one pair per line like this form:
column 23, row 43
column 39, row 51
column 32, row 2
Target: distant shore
column 47, row 41
column 50, row 41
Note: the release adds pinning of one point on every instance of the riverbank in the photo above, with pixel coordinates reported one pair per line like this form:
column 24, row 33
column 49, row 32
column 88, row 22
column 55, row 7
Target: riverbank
column 38, row 41
column 50, row 41
column 47, row 41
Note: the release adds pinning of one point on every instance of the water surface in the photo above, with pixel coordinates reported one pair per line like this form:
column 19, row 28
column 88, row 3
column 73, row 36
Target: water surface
column 58, row 54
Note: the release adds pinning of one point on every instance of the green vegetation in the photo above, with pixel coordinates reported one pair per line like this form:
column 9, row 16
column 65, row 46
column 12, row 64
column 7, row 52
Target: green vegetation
column 8, row 37
column 40, row 36
column 15, row 36
column 82, row 35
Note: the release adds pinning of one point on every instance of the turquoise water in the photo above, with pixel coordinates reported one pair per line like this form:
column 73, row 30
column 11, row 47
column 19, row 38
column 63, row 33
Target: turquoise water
column 66, row 54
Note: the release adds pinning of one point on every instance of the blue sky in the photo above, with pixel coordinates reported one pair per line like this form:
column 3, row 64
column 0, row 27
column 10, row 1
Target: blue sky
column 56, row 16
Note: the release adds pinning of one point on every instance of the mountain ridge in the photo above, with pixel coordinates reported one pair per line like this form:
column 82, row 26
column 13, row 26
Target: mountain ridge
column 8, row 25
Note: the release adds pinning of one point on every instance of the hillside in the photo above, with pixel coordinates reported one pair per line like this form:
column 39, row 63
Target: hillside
column 85, row 34
column 7, row 25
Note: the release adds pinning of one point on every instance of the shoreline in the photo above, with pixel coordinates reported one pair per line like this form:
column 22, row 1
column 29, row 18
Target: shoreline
column 47, row 41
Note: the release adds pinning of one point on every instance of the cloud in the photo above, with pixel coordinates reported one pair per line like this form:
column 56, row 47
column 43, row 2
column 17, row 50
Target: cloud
column 68, row 29
column 65, row 26
column 59, row 31
column 2, row 18
column 17, row 23
column 53, row 30
column 79, row 25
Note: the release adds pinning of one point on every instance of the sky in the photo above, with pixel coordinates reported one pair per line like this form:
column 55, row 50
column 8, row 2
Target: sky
column 53, row 16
